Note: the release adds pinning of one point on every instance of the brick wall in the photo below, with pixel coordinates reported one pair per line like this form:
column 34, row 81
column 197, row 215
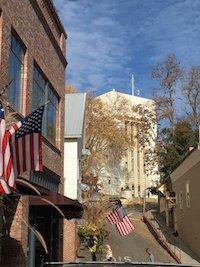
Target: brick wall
column 21, row 16
column 27, row 19
column 69, row 240
column 14, row 249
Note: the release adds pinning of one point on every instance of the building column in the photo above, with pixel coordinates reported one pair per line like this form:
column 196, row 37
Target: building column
column 142, row 180
column 135, row 161
column 31, row 245
column 135, row 170
column 69, row 240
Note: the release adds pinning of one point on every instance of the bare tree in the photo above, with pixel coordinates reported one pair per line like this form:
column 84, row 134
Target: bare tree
column 168, row 74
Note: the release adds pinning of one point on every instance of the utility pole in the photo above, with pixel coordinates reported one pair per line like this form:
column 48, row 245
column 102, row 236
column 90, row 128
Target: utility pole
column 199, row 135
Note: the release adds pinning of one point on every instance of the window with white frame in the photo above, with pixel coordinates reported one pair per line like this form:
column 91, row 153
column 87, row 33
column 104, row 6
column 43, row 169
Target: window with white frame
column 181, row 200
column 187, row 191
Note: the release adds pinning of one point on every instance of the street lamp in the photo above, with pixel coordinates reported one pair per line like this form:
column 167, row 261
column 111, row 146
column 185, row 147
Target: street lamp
column 144, row 200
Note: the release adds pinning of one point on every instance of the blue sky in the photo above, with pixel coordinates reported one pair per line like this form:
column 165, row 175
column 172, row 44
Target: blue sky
column 108, row 40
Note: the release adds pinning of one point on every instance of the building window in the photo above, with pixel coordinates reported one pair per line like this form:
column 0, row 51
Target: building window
column 16, row 67
column 181, row 200
column 187, row 189
column 42, row 93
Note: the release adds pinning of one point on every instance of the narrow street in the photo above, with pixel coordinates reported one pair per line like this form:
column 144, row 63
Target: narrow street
column 135, row 244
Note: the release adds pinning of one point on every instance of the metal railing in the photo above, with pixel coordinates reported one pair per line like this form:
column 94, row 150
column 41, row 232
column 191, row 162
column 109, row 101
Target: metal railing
column 172, row 242
column 110, row 264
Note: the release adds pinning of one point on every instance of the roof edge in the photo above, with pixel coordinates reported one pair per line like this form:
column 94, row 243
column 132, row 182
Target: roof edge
column 118, row 92
column 56, row 16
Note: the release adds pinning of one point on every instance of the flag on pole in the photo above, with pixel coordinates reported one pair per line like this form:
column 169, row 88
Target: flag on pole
column 120, row 219
column 26, row 143
column 113, row 217
column 125, row 226
column 6, row 166
column 20, row 148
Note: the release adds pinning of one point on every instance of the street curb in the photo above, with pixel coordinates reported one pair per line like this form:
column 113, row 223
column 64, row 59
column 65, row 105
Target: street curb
column 159, row 239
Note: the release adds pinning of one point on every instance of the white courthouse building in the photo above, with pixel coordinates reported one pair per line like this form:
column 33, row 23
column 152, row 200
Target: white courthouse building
column 128, row 177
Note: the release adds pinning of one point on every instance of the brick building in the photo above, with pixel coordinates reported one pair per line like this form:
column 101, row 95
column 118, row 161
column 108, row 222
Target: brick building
column 32, row 56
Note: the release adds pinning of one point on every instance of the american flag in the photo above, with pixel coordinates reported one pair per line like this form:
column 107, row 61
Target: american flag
column 113, row 217
column 120, row 219
column 125, row 226
column 22, row 144
column 26, row 143
column 7, row 181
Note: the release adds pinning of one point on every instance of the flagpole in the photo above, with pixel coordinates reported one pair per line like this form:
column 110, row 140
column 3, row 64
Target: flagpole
column 3, row 91
column 46, row 103
column 5, row 87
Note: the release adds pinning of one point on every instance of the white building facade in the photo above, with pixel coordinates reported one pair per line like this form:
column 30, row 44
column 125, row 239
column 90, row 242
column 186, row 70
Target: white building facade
column 74, row 145
column 128, row 177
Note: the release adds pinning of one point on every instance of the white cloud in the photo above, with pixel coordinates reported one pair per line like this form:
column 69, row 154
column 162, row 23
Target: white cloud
column 109, row 39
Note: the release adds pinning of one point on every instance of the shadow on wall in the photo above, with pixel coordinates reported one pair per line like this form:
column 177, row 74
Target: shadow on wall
column 11, row 250
column 12, row 253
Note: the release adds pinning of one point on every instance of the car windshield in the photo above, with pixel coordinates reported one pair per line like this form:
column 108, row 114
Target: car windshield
column 143, row 241
column 99, row 133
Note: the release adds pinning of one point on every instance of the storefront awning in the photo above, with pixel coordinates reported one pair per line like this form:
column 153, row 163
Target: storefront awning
column 69, row 207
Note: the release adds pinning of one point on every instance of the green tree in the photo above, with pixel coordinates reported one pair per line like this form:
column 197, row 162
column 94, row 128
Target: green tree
column 175, row 145
column 191, row 93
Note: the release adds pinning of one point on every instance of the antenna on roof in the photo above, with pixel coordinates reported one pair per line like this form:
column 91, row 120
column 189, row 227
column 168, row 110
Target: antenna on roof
column 134, row 90
column 133, row 84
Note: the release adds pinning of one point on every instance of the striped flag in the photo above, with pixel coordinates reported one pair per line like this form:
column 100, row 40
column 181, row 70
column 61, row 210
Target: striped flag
column 20, row 148
column 26, row 143
column 119, row 218
column 113, row 217
column 7, row 181
column 125, row 226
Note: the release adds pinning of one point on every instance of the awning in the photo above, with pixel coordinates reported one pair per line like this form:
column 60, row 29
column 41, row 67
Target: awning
column 28, row 188
column 69, row 207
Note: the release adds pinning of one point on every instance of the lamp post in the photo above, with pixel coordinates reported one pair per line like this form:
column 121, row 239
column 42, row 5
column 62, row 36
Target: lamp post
column 144, row 200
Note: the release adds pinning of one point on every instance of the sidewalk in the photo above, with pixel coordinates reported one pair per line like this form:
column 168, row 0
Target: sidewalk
column 164, row 235
column 84, row 255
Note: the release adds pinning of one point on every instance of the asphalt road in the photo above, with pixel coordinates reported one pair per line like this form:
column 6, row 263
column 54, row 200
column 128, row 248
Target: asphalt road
column 135, row 244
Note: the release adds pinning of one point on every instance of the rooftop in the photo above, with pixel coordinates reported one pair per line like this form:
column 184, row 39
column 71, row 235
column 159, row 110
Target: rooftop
column 135, row 98
column 74, row 114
